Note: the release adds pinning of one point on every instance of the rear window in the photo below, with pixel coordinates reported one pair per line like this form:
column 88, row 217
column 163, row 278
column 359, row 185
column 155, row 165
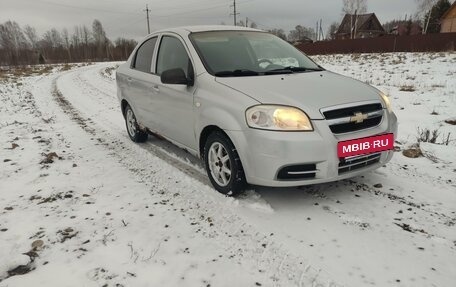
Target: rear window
column 143, row 59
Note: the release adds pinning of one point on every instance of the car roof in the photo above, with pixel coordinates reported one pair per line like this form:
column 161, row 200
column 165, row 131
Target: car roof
column 205, row 28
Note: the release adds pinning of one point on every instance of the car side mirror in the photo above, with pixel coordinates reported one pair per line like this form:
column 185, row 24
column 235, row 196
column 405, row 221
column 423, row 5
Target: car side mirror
column 175, row 77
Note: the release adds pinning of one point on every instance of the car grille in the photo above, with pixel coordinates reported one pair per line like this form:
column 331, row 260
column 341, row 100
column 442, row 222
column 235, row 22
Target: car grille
column 344, row 120
column 298, row 172
column 358, row 162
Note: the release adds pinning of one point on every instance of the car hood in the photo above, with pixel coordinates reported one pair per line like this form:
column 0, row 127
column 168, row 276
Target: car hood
column 310, row 91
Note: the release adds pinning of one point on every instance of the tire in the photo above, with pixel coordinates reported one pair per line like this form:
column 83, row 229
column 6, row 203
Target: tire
column 221, row 157
column 133, row 130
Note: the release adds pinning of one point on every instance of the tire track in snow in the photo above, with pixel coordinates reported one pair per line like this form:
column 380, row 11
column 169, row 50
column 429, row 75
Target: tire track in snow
column 176, row 157
column 163, row 148
column 244, row 243
column 359, row 185
column 264, row 261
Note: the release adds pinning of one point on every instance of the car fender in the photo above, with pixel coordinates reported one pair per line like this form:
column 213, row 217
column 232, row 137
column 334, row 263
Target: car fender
column 214, row 116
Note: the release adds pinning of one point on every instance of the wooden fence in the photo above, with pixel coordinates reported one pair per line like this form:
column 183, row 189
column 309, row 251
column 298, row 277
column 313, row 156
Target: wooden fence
column 389, row 43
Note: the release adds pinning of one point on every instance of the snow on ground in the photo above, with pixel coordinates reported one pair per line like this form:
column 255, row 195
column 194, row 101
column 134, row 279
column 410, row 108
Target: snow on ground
column 103, row 211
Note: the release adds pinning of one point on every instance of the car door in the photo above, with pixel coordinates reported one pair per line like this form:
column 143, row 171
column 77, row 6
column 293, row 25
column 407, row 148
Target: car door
column 173, row 104
column 140, row 81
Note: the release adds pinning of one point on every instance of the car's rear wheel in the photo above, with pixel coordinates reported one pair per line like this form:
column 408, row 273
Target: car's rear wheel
column 134, row 132
column 223, row 164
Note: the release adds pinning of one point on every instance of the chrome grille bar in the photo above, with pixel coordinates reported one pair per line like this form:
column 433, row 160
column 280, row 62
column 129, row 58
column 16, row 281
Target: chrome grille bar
column 347, row 120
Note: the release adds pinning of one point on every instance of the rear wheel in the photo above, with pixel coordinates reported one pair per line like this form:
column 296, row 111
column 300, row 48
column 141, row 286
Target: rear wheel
column 223, row 164
column 134, row 132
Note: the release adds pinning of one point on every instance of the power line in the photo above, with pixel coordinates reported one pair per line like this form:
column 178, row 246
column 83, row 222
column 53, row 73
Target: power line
column 197, row 10
column 175, row 7
column 148, row 24
column 86, row 8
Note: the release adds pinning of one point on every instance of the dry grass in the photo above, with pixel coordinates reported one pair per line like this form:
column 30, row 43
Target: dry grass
column 428, row 136
column 66, row 67
column 407, row 89
column 15, row 73
column 109, row 71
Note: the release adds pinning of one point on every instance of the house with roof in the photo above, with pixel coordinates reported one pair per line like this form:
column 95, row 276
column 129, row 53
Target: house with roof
column 360, row 26
column 448, row 20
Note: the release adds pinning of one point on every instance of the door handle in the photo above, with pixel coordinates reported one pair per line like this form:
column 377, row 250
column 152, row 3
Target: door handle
column 156, row 89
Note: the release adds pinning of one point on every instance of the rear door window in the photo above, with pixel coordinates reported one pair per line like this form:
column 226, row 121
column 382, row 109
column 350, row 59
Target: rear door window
column 143, row 59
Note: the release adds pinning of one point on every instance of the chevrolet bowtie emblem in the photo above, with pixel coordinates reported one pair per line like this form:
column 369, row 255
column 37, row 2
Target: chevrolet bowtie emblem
column 358, row 118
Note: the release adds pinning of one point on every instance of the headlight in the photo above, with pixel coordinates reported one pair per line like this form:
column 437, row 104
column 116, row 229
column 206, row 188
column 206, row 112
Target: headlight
column 277, row 118
column 387, row 101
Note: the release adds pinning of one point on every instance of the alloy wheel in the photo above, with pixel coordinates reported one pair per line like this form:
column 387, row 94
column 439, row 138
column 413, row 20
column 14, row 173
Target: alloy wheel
column 219, row 164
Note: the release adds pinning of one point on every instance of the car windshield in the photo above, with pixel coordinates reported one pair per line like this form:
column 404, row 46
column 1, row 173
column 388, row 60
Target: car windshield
column 249, row 53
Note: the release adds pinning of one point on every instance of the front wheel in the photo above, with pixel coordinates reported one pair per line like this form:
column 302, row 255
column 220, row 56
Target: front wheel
column 223, row 164
column 134, row 132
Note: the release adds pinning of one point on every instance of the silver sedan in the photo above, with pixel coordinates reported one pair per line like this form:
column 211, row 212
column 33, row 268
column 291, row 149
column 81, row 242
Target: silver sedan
column 254, row 108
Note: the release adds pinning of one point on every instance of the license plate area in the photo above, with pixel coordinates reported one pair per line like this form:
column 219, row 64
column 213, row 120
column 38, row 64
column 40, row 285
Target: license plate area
column 365, row 146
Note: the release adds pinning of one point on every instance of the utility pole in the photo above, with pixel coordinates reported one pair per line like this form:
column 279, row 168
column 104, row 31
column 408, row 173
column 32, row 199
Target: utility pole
column 246, row 22
column 355, row 28
column 147, row 13
column 235, row 13
column 321, row 30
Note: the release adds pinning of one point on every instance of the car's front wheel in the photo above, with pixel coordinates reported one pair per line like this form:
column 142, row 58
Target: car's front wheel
column 223, row 164
column 134, row 132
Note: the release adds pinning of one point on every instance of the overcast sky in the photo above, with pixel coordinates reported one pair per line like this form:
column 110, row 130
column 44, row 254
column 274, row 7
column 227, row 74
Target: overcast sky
column 126, row 18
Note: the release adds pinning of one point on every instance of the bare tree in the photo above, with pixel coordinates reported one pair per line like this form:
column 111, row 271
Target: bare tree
column 67, row 43
column 279, row 33
column 250, row 24
column 52, row 39
column 99, row 36
column 424, row 6
column 301, row 33
column 13, row 41
column 32, row 37
column 123, row 48
column 433, row 16
column 75, row 40
column 23, row 46
column 85, row 32
column 332, row 30
column 85, row 37
column 354, row 6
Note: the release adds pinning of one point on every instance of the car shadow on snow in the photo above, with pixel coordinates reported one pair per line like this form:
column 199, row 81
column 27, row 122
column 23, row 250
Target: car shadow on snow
column 277, row 197
column 317, row 194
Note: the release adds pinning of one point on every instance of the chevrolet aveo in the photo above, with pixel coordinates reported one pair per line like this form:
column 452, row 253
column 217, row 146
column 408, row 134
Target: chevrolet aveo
column 254, row 108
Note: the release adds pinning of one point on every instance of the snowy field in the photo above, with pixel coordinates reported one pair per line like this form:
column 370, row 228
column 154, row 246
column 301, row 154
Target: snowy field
column 81, row 205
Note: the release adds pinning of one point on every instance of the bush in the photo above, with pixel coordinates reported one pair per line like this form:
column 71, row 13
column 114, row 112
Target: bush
column 428, row 136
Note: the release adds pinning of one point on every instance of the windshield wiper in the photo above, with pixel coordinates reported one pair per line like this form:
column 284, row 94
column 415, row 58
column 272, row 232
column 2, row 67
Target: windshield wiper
column 237, row 73
column 290, row 69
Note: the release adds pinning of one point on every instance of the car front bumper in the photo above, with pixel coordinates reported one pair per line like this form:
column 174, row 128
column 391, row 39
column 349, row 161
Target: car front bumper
column 265, row 153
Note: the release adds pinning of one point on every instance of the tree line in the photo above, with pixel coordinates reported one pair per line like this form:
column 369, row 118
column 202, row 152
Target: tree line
column 23, row 46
